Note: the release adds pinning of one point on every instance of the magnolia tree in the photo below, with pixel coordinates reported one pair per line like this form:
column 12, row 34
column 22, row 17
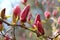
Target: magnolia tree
column 42, row 27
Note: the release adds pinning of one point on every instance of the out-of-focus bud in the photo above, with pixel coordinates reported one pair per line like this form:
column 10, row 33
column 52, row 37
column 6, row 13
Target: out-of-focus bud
column 24, row 13
column 24, row 1
column 43, row 2
column 48, row 2
column 53, row 2
column 47, row 14
column 55, row 12
column 36, row 3
column 40, row 28
column 7, row 37
column 29, row 17
column 59, row 20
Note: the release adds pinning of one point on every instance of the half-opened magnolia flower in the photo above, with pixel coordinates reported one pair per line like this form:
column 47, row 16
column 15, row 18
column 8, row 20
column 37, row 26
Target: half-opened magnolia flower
column 24, row 13
column 40, row 28
column 47, row 14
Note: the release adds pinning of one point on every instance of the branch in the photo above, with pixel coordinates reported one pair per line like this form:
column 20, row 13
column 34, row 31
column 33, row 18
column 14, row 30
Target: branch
column 23, row 26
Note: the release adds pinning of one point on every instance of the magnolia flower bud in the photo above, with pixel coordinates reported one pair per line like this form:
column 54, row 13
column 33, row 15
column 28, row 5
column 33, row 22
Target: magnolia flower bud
column 47, row 14
column 24, row 13
column 55, row 12
column 40, row 28
column 16, row 11
column 36, row 19
column 24, row 1
column 16, row 14
column 36, row 3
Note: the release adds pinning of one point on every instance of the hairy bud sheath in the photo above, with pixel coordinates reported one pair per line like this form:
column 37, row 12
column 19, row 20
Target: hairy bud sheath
column 47, row 14
column 24, row 13
column 3, row 13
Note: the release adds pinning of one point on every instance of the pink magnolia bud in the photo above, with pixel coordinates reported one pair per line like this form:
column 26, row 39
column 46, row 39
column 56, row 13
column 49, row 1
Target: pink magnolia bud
column 59, row 20
column 36, row 2
column 29, row 17
column 40, row 28
column 24, row 13
column 43, row 2
column 36, row 19
column 55, row 12
column 53, row 3
column 16, row 11
column 49, row 3
column 24, row 1
column 47, row 14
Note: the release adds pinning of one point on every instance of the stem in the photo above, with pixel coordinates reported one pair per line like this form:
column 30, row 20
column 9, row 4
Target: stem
column 14, row 33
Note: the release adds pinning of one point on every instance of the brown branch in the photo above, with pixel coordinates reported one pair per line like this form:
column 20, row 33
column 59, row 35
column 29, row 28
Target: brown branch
column 23, row 26
column 57, row 35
